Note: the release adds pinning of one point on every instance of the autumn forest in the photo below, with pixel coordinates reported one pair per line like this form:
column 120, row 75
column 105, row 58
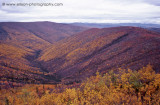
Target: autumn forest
column 47, row 63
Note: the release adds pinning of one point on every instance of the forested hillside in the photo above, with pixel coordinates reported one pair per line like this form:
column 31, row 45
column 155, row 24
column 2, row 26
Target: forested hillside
column 126, row 87
column 21, row 44
column 82, row 55
column 46, row 63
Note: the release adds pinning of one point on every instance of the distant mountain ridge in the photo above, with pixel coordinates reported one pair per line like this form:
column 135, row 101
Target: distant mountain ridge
column 154, row 29
column 107, row 25
column 48, row 31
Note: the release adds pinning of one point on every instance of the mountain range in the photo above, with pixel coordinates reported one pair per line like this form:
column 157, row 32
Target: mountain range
column 107, row 25
column 21, row 44
column 47, row 52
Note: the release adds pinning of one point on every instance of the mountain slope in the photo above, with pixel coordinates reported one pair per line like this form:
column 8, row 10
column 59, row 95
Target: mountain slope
column 47, row 31
column 46, row 52
column 21, row 44
column 82, row 55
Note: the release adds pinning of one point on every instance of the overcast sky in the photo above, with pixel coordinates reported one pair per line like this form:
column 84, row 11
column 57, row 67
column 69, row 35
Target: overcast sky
column 92, row 11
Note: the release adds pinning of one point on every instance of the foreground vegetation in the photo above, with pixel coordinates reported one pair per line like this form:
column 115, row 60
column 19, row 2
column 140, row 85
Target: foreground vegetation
column 113, row 88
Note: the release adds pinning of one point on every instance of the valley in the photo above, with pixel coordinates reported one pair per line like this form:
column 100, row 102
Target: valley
column 46, row 63
column 46, row 52
column 21, row 45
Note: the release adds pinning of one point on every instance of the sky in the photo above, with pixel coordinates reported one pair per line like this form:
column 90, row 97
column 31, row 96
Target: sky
column 90, row 11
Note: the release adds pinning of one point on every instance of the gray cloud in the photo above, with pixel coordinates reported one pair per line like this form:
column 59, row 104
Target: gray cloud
column 153, row 2
column 143, row 11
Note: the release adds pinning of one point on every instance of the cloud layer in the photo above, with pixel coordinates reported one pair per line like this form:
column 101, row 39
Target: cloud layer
column 95, row 11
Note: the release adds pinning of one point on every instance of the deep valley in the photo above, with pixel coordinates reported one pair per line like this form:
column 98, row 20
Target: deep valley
column 46, row 52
